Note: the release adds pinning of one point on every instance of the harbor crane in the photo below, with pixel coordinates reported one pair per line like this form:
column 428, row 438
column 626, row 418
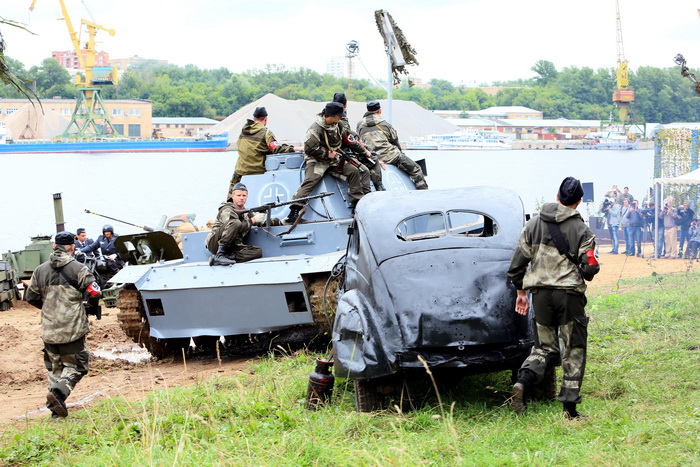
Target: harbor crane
column 622, row 95
column 90, row 117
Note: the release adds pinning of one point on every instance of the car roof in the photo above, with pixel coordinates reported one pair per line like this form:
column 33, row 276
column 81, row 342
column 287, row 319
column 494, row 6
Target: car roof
column 379, row 214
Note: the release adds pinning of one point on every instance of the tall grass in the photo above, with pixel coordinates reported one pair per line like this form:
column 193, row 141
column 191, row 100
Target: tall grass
column 640, row 393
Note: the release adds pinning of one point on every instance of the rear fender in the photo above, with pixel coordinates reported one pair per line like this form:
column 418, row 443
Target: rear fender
column 357, row 348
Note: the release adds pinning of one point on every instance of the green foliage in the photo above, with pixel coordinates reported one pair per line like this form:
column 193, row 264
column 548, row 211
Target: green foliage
column 640, row 393
column 663, row 95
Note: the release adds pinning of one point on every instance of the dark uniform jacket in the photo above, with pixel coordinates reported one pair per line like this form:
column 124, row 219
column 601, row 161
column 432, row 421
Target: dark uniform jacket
column 63, row 317
column 254, row 143
column 106, row 246
column 549, row 268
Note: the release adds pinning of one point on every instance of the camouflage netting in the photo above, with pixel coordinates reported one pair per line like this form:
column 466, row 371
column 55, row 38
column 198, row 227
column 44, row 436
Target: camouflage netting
column 409, row 53
column 676, row 155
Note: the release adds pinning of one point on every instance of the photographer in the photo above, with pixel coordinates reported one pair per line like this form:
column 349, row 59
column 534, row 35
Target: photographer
column 694, row 242
column 636, row 223
column 685, row 217
column 669, row 214
column 611, row 211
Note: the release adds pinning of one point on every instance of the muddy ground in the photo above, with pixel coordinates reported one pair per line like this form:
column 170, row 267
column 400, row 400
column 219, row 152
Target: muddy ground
column 23, row 376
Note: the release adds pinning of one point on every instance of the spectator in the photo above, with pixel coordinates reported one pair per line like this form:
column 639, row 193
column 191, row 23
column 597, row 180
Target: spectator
column 685, row 217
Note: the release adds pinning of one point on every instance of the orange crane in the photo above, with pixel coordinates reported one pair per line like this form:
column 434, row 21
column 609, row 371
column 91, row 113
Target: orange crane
column 622, row 95
column 89, row 116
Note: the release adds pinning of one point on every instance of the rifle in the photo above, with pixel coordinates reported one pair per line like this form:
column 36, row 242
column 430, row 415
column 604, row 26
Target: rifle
column 268, row 207
column 345, row 157
column 144, row 227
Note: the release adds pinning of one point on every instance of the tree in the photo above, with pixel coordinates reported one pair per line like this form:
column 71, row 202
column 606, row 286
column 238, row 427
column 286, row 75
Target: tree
column 546, row 70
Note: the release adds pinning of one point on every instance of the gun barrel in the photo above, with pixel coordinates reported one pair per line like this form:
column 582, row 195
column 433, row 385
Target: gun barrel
column 144, row 227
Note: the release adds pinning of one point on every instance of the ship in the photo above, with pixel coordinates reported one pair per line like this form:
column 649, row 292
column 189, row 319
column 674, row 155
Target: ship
column 463, row 140
column 607, row 139
column 205, row 143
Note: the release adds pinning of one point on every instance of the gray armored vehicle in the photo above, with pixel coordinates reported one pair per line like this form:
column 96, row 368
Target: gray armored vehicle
column 248, row 306
column 426, row 286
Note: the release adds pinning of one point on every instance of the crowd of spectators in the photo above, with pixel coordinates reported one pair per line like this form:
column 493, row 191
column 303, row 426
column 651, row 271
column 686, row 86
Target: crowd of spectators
column 678, row 234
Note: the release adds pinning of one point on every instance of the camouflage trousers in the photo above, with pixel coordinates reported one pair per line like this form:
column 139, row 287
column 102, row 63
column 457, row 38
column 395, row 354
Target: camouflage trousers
column 560, row 314
column 412, row 169
column 66, row 364
column 358, row 182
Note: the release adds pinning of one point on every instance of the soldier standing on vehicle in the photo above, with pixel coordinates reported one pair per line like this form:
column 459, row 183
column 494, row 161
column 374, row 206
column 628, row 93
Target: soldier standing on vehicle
column 57, row 288
column 323, row 140
column 255, row 142
column 105, row 243
column 373, row 163
column 560, row 250
column 381, row 137
column 225, row 241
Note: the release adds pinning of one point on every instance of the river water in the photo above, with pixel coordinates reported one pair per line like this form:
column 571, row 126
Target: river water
column 141, row 188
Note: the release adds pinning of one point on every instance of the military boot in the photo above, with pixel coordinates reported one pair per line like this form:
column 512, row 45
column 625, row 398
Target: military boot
column 293, row 214
column 222, row 257
column 571, row 413
column 521, row 390
column 55, row 402
column 379, row 187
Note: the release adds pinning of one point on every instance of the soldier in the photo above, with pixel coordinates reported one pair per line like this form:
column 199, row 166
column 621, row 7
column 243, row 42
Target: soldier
column 57, row 288
column 254, row 143
column 323, row 140
column 375, row 166
column 225, row 241
column 105, row 243
column 560, row 250
column 82, row 241
column 380, row 136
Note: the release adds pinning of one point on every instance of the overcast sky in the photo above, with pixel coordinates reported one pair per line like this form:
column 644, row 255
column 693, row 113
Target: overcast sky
column 464, row 41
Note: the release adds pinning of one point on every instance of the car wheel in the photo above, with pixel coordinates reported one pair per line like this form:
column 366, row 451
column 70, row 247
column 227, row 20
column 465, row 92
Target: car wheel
column 547, row 388
column 367, row 396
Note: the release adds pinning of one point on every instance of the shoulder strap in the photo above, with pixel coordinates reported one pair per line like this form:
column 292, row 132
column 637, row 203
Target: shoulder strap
column 560, row 241
column 68, row 279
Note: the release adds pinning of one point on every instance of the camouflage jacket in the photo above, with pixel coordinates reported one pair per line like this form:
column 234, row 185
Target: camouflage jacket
column 228, row 215
column 63, row 317
column 549, row 268
column 321, row 137
column 254, row 143
column 379, row 136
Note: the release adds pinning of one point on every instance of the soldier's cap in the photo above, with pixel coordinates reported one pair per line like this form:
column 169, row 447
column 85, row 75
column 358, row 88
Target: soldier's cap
column 333, row 109
column 79, row 231
column 260, row 112
column 340, row 97
column 570, row 191
column 373, row 106
column 64, row 238
column 239, row 186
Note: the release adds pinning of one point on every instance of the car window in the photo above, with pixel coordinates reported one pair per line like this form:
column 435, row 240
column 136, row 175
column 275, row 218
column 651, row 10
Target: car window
column 471, row 224
column 421, row 227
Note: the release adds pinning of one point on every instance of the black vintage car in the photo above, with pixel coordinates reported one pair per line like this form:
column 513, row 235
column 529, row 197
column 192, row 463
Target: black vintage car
column 425, row 285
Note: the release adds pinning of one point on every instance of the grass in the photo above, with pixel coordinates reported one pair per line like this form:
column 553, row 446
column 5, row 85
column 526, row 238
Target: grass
column 640, row 393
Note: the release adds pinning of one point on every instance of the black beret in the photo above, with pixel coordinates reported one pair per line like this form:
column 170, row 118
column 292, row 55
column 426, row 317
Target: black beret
column 334, row 109
column 373, row 106
column 340, row 97
column 570, row 191
column 79, row 231
column 260, row 112
column 239, row 186
column 64, row 238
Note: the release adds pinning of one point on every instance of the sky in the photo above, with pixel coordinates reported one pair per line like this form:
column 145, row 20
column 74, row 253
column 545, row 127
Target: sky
column 467, row 42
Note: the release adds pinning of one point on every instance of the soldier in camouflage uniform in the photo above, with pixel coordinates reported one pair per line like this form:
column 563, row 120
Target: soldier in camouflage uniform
column 255, row 142
column 558, row 289
column 57, row 288
column 373, row 163
column 323, row 140
column 381, row 137
column 225, row 241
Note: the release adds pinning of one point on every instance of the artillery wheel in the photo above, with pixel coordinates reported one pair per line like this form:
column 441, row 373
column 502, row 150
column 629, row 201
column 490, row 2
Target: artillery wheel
column 367, row 396
column 132, row 318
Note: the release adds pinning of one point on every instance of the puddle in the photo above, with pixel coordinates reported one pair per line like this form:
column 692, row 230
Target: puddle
column 134, row 354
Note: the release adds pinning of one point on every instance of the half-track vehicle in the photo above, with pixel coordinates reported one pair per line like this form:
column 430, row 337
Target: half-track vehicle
column 251, row 306
column 426, row 286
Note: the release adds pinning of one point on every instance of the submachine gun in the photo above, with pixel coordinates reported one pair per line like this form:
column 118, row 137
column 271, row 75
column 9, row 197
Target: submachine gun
column 361, row 161
column 268, row 207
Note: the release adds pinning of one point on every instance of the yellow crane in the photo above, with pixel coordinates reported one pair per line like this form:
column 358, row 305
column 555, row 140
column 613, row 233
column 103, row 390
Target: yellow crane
column 90, row 116
column 622, row 95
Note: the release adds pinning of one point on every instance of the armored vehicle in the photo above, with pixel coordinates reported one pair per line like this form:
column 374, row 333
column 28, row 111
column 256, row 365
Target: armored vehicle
column 425, row 286
column 254, row 305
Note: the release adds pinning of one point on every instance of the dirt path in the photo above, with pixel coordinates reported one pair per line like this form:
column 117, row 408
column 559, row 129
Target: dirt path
column 23, row 376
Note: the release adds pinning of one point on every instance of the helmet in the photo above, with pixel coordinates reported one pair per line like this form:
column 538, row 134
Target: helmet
column 107, row 228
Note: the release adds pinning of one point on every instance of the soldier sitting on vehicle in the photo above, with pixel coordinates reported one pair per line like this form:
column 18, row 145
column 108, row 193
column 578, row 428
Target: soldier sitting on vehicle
column 105, row 243
column 225, row 241
column 380, row 136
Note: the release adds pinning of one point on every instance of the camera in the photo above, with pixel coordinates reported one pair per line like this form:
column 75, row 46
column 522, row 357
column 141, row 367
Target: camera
column 607, row 203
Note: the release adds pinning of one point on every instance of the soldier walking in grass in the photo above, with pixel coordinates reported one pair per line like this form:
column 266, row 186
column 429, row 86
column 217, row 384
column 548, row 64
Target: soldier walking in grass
column 57, row 288
column 560, row 250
